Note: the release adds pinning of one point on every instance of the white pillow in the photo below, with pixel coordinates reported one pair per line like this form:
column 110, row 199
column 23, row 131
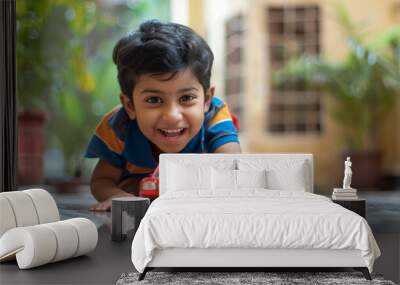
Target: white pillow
column 282, row 174
column 251, row 178
column 223, row 179
column 292, row 179
column 183, row 177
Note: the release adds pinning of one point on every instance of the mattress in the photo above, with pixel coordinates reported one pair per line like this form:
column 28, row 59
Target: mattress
column 251, row 219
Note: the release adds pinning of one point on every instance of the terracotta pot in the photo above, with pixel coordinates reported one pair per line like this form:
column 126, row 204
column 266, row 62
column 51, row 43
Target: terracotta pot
column 31, row 138
column 367, row 169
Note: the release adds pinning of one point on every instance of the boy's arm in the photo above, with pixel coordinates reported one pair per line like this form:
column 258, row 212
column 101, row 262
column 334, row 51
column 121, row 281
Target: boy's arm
column 104, row 185
column 232, row 147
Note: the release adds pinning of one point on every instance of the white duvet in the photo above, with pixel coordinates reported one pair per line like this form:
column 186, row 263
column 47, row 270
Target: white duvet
column 251, row 218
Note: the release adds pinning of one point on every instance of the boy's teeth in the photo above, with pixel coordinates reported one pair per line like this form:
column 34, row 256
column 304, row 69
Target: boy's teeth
column 172, row 131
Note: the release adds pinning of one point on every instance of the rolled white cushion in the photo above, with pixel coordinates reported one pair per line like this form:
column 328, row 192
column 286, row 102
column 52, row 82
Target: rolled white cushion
column 40, row 244
column 26, row 208
column 7, row 218
column 45, row 205
column 33, row 246
column 66, row 238
column 87, row 235
column 23, row 208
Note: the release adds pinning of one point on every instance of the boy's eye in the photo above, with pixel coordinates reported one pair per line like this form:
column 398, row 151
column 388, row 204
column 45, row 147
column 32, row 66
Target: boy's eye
column 187, row 98
column 154, row 100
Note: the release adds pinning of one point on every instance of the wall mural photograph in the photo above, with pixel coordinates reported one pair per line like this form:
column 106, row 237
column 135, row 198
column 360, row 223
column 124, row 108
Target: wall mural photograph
column 180, row 141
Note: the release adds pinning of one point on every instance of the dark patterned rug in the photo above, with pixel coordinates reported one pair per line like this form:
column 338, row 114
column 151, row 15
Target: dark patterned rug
column 229, row 278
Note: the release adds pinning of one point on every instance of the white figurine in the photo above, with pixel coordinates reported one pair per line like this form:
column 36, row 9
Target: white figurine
column 347, row 174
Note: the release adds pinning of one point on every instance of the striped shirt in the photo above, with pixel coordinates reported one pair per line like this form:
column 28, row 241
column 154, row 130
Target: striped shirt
column 119, row 141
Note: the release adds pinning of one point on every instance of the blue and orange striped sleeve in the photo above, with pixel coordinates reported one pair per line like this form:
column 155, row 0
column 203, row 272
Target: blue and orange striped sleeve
column 220, row 129
column 106, row 144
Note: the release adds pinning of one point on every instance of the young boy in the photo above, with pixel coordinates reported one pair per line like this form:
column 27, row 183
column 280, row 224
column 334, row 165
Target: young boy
column 168, row 106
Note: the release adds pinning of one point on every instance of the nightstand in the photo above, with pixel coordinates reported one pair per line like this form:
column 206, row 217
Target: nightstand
column 358, row 206
column 126, row 214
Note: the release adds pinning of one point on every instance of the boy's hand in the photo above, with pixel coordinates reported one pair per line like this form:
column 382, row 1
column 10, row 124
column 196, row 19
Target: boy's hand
column 106, row 205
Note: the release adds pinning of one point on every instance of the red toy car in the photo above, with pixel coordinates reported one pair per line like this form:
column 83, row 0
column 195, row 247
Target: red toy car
column 148, row 186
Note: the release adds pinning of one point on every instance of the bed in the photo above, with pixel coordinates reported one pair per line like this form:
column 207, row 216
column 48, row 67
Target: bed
column 247, row 210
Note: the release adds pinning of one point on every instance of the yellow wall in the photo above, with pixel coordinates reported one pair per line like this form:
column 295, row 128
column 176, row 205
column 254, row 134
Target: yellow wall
column 195, row 12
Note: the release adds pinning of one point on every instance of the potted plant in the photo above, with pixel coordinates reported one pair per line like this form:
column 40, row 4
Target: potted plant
column 65, row 79
column 33, row 85
column 364, row 85
column 50, row 66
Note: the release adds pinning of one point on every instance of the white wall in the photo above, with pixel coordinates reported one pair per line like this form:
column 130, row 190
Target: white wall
column 215, row 15
column 180, row 11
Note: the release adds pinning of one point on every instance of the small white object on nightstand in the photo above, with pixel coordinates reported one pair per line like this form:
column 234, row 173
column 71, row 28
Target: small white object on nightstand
column 347, row 174
column 345, row 193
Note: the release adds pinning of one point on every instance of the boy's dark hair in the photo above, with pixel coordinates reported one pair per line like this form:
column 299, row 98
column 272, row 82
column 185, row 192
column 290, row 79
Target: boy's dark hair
column 157, row 48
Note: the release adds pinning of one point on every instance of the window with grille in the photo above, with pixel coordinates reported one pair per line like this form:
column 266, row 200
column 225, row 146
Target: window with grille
column 293, row 31
column 234, row 31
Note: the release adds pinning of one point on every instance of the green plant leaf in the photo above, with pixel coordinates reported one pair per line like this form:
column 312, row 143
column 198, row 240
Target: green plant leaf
column 365, row 83
column 73, row 108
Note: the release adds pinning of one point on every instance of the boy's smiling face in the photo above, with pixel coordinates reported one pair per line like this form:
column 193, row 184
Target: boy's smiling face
column 169, row 111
